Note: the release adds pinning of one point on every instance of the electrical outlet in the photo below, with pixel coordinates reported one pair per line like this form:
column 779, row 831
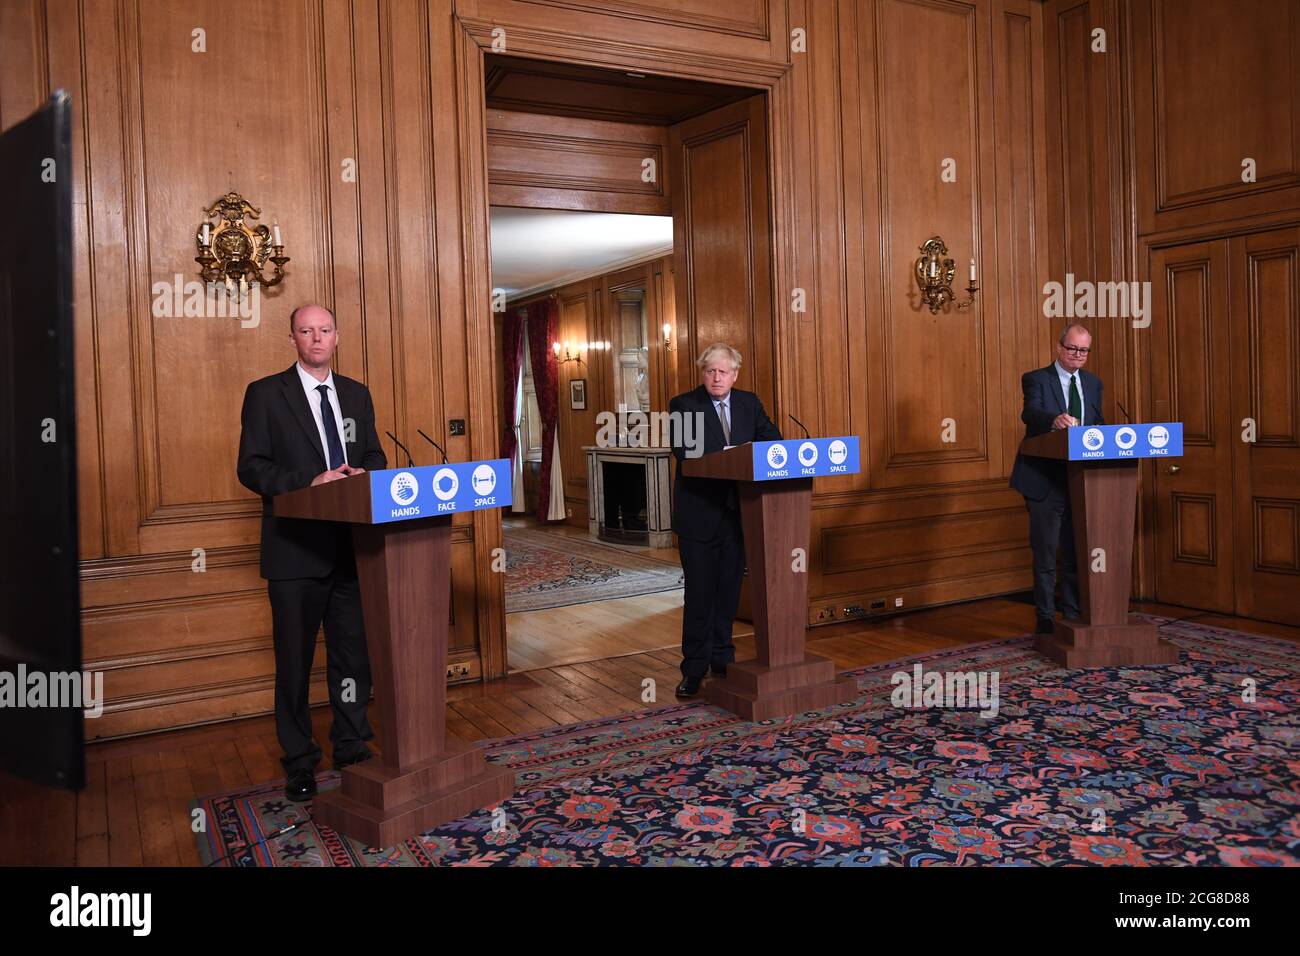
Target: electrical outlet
column 898, row 602
column 825, row 614
column 456, row 426
column 853, row 610
column 878, row 605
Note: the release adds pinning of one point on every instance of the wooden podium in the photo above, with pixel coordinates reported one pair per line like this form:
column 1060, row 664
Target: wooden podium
column 420, row 780
column 1103, row 503
column 775, row 515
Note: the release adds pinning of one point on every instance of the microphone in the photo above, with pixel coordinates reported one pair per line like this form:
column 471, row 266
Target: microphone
column 409, row 462
column 1127, row 418
column 434, row 444
column 800, row 424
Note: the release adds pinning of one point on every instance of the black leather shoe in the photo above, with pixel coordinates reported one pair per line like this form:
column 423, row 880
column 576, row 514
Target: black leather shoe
column 301, row 786
column 689, row 687
column 349, row 761
column 1045, row 625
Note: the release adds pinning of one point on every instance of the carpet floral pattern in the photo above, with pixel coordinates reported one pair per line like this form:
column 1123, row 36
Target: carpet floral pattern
column 1176, row 765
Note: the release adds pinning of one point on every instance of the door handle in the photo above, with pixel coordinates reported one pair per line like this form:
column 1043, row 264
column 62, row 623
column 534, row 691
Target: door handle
column 1174, row 469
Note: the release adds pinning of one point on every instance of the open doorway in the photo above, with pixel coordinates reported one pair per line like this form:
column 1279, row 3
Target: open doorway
column 630, row 226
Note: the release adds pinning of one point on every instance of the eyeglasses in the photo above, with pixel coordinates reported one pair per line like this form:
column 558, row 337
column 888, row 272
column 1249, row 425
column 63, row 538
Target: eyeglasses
column 1075, row 350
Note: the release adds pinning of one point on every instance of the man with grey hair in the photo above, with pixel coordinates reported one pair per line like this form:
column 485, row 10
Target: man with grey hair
column 1058, row 396
column 706, row 514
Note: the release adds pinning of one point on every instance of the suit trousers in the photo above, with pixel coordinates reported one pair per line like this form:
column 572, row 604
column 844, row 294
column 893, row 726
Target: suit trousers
column 298, row 608
column 1050, row 527
column 713, row 571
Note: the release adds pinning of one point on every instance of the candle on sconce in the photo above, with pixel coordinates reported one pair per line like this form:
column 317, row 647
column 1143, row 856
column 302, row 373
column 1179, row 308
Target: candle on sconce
column 668, row 330
column 972, row 272
column 934, row 268
column 275, row 231
column 206, row 240
column 556, row 347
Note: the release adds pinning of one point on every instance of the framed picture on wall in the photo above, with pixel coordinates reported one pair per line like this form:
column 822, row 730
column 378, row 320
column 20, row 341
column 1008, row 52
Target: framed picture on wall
column 578, row 394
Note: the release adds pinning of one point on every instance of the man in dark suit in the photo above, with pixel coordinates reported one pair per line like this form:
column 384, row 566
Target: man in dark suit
column 1059, row 396
column 706, row 513
column 306, row 426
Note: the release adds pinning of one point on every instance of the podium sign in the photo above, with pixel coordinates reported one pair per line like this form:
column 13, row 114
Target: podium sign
column 1118, row 442
column 425, row 491
column 806, row 458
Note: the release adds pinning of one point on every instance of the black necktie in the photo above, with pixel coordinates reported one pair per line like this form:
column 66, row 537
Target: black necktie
column 332, row 443
column 1076, row 401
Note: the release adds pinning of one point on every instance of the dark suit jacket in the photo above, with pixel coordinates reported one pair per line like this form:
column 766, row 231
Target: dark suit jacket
column 1035, row 477
column 700, row 503
column 280, row 450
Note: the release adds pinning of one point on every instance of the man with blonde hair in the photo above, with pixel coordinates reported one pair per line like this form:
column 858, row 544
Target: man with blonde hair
column 706, row 514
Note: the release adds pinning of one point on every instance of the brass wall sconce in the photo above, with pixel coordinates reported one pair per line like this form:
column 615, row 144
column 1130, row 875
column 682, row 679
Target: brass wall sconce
column 576, row 356
column 668, row 338
column 234, row 253
column 934, row 274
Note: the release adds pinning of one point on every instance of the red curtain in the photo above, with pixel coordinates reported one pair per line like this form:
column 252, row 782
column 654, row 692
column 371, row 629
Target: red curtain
column 512, row 353
column 543, row 327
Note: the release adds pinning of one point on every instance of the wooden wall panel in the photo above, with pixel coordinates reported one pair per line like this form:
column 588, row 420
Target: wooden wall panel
column 1189, row 382
column 1090, row 237
column 704, row 33
column 931, row 368
column 932, row 521
column 557, row 162
column 1265, row 287
column 1215, row 83
column 722, row 241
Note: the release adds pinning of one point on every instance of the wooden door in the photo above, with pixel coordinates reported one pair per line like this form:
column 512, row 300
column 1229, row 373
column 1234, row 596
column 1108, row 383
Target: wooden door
column 722, row 241
column 1190, row 383
column 1265, row 349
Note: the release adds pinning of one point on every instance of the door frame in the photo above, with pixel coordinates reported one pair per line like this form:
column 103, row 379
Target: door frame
column 475, row 41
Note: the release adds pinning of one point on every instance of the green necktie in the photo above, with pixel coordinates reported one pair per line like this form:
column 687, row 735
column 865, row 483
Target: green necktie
column 1076, row 401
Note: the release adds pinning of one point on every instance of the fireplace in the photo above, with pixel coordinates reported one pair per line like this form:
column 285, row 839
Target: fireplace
column 625, row 503
column 628, row 498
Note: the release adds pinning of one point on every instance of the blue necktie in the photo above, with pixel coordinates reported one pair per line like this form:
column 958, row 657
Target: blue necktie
column 332, row 442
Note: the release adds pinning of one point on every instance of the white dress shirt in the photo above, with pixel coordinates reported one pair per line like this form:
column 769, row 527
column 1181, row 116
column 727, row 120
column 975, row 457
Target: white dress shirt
column 1064, row 376
column 309, row 385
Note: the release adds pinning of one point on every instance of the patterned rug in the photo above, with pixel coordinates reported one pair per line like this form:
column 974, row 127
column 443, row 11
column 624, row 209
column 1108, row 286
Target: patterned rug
column 546, row 569
column 1100, row 767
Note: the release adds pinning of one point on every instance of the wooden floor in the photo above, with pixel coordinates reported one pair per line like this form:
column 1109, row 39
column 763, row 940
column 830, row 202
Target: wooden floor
column 591, row 632
column 133, row 809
